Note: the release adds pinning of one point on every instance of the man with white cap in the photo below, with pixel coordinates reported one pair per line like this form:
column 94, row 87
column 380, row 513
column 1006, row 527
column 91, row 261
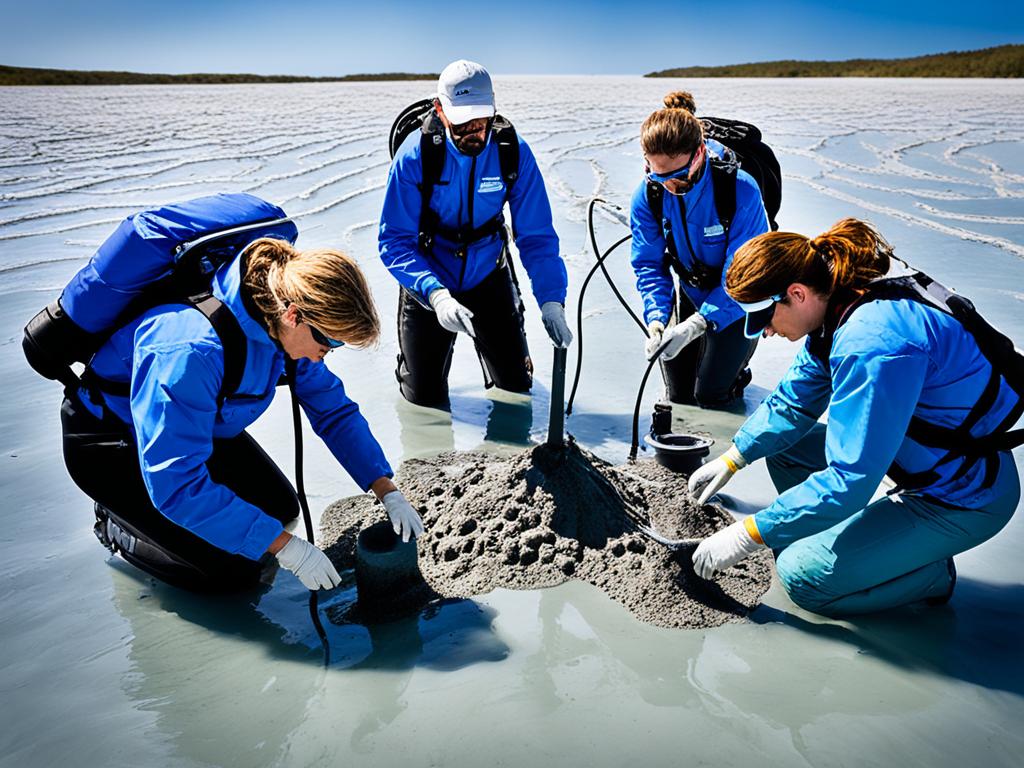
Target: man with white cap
column 443, row 237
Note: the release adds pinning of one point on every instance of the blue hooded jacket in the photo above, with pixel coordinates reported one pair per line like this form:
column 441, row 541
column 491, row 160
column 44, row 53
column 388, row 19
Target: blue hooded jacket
column 468, row 186
column 650, row 263
column 891, row 360
column 175, row 363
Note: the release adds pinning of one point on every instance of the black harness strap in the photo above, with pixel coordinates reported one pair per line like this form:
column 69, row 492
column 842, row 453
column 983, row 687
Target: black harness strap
column 432, row 159
column 232, row 339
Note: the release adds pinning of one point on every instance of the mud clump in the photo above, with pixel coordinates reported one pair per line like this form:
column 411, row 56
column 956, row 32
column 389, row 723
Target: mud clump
column 542, row 517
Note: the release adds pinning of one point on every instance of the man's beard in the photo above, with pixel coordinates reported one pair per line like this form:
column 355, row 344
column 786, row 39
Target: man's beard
column 471, row 145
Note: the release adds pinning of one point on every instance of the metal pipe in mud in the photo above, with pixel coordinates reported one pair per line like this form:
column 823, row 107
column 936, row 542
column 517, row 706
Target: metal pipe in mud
column 556, row 420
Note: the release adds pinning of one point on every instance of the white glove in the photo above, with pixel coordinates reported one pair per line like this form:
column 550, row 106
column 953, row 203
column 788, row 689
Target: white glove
column 313, row 567
column 712, row 477
column 553, row 315
column 403, row 517
column 682, row 334
column 450, row 314
column 725, row 548
column 655, row 328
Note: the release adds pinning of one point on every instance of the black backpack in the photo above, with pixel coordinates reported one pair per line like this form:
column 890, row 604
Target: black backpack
column 744, row 149
column 422, row 116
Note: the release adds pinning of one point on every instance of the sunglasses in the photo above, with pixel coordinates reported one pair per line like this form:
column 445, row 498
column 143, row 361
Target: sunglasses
column 679, row 173
column 323, row 340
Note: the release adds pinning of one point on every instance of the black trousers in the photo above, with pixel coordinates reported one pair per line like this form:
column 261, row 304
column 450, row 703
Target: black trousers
column 712, row 371
column 102, row 459
column 425, row 355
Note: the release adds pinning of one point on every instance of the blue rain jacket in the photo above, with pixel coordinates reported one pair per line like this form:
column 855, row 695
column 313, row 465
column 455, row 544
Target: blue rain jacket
column 468, row 185
column 891, row 360
column 650, row 263
column 175, row 362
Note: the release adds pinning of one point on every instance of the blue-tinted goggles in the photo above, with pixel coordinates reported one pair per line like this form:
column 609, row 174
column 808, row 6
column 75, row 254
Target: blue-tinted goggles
column 323, row 340
column 678, row 173
column 759, row 315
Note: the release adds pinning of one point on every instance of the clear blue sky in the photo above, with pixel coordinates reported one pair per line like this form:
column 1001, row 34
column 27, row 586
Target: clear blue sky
column 317, row 37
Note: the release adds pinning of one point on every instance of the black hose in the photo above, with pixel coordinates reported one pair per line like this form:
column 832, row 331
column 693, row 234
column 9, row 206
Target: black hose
column 579, row 323
column 635, row 444
column 300, row 486
column 579, row 305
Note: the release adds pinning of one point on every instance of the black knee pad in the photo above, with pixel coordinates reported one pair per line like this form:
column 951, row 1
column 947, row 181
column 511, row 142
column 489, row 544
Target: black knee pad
column 135, row 547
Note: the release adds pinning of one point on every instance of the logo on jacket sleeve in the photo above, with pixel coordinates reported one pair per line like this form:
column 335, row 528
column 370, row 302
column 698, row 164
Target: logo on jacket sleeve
column 491, row 184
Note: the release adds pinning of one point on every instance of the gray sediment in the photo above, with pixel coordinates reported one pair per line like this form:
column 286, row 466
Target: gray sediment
column 543, row 517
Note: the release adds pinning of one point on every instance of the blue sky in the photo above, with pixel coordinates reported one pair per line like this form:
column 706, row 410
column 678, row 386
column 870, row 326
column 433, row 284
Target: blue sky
column 315, row 37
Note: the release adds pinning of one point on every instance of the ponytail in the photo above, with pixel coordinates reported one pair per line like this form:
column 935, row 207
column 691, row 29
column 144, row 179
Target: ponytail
column 848, row 256
column 326, row 286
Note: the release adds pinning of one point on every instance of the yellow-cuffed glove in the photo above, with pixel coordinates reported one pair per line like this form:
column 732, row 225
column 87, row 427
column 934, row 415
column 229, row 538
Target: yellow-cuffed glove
column 712, row 477
column 727, row 547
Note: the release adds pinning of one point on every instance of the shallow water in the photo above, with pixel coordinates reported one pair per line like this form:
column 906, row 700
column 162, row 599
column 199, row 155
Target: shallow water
column 102, row 667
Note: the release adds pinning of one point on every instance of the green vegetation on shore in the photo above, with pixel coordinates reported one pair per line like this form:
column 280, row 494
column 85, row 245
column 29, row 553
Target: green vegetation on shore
column 32, row 76
column 1002, row 61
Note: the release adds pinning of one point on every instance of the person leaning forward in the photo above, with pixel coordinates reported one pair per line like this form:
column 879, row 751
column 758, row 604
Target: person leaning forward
column 182, row 490
column 910, row 393
column 460, row 279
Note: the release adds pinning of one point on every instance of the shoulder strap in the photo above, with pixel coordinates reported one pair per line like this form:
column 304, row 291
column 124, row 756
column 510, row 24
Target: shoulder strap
column 432, row 154
column 723, row 182
column 232, row 339
column 504, row 135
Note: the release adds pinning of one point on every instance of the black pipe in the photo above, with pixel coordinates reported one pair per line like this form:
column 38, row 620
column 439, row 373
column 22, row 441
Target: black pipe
column 556, row 421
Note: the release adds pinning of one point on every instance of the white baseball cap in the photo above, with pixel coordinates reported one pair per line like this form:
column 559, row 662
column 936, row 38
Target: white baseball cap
column 465, row 92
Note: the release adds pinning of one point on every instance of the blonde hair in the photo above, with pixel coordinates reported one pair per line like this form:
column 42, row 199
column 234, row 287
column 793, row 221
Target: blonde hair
column 326, row 286
column 849, row 255
column 673, row 130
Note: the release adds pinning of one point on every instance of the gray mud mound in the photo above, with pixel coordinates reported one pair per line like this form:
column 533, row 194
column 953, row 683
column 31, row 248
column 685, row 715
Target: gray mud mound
column 545, row 516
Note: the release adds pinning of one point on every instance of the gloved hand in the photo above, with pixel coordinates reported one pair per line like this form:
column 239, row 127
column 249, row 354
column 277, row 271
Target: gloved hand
column 712, row 477
column 313, row 567
column 403, row 517
column 682, row 334
column 654, row 329
column 553, row 315
column 450, row 314
column 725, row 548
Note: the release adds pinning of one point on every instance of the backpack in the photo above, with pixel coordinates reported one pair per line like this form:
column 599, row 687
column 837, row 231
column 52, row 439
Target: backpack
column 422, row 116
column 1006, row 360
column 744, row 149
column 161, row 256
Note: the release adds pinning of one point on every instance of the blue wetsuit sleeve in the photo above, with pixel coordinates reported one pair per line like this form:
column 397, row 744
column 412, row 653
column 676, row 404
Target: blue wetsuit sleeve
column 750, row 221
column 174, row 391
column 788, row 413
column 535, row 233
column 653, row 280
column 398, row 236
column 338, row 422
column 874, row 397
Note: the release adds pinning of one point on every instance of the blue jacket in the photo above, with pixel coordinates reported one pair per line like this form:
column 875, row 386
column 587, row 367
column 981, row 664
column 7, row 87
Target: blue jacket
column 891, row 360
column 468, row 184
column 175, row 363
column 653, row 273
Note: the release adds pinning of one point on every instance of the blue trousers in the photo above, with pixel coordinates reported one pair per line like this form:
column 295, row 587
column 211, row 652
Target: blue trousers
column 893, row 552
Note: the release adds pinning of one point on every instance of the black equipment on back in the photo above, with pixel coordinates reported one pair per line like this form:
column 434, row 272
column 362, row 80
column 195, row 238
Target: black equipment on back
column 422, row 116
column 745, row 150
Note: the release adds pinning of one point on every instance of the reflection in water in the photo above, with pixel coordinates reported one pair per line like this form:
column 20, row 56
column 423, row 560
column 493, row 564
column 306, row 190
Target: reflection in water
column 215, row 679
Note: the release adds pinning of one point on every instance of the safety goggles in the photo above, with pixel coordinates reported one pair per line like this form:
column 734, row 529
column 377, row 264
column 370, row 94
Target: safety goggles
column 759, row 315
column 678, row 173
column 323, row 340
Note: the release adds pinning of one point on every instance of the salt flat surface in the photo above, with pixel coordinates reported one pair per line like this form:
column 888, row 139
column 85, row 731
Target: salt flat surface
column 101, row 667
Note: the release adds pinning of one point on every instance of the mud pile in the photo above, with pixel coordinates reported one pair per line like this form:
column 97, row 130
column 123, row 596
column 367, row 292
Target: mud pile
column 545, row 516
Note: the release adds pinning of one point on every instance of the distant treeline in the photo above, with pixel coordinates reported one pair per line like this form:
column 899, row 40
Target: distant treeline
column 32, row 76
column 1002, row 61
